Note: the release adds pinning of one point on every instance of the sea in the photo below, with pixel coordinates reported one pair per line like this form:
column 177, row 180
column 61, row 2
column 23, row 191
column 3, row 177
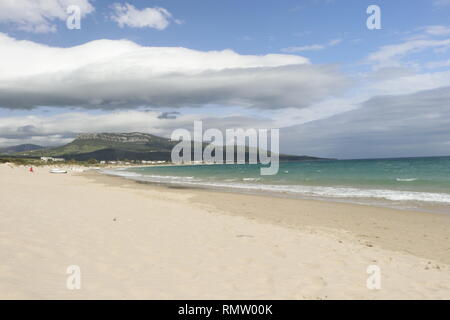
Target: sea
column 405, row 183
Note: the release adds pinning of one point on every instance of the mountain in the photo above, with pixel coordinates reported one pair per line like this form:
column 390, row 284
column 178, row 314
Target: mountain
column 112, row 146
column 122, row 146
column 20, row 148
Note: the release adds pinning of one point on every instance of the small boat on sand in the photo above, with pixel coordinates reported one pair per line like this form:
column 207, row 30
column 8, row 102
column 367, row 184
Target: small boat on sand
column 58, row 171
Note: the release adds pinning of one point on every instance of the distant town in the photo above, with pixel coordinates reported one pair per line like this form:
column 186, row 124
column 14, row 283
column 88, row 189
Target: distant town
column 129, row 162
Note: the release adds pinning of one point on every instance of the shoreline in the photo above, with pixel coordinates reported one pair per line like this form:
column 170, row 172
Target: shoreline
column 347, row 223
column 140, row 241
column 418, row 206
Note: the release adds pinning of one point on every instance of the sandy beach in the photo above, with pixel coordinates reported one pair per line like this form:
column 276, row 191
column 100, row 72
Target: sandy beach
column 139, row 241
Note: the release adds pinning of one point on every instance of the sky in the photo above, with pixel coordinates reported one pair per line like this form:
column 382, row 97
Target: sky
column 312, row 68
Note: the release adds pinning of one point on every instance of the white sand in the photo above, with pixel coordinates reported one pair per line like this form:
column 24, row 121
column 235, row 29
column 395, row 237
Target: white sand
column 139, row 242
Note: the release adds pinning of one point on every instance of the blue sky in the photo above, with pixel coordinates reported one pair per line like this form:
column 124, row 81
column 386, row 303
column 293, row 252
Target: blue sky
column 339, row 68
column 258, row 27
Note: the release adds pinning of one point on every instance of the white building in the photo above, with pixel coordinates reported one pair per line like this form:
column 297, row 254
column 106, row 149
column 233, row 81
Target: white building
column 152, row 161
column 46, row 159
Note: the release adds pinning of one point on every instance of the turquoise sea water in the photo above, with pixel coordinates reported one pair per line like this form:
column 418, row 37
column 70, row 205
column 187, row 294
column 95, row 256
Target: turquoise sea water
column 407, row 182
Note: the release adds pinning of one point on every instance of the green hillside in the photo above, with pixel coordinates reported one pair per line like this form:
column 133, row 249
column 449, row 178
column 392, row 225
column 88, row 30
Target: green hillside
column 20, row 148
column 96, row 143
column 121, row 146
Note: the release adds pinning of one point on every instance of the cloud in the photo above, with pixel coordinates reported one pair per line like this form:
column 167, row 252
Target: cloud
column 437, row 30
column 168, row 115
column 334, row 42
column 411, row 83
column 391, row 55
column 431, row 38
column 110, row 74
column 128, row 15
column 384, row 126
column 438, row 64
column 62, row 128
column 313, row 47
column 69, row 124
column 441, row 3
column 38, row 16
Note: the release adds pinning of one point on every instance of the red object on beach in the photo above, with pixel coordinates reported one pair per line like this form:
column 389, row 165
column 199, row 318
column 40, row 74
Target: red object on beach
column 31, row 169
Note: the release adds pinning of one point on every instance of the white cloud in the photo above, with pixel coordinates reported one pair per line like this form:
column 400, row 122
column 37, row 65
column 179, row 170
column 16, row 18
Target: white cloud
column 391, row 55
column 388, row 126
column 410, row 84
column 128, row 15
column 313, row 47
column 39, row 16
column 437, row 30
column 438, row 64
column 121, row 74
column 334, row 42
column 62, row 128
column 441, row 3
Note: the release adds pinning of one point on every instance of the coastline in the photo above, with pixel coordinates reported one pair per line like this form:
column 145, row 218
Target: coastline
column 367, row 223
column 267, row 190
column 143, row 241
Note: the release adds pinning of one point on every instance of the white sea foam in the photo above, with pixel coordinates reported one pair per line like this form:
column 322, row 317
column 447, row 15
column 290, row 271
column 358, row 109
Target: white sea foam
column 121, row 173
column 251, row 179
column 406, row 179
column 301, row 190
column 151, row 178
column 343, row 192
